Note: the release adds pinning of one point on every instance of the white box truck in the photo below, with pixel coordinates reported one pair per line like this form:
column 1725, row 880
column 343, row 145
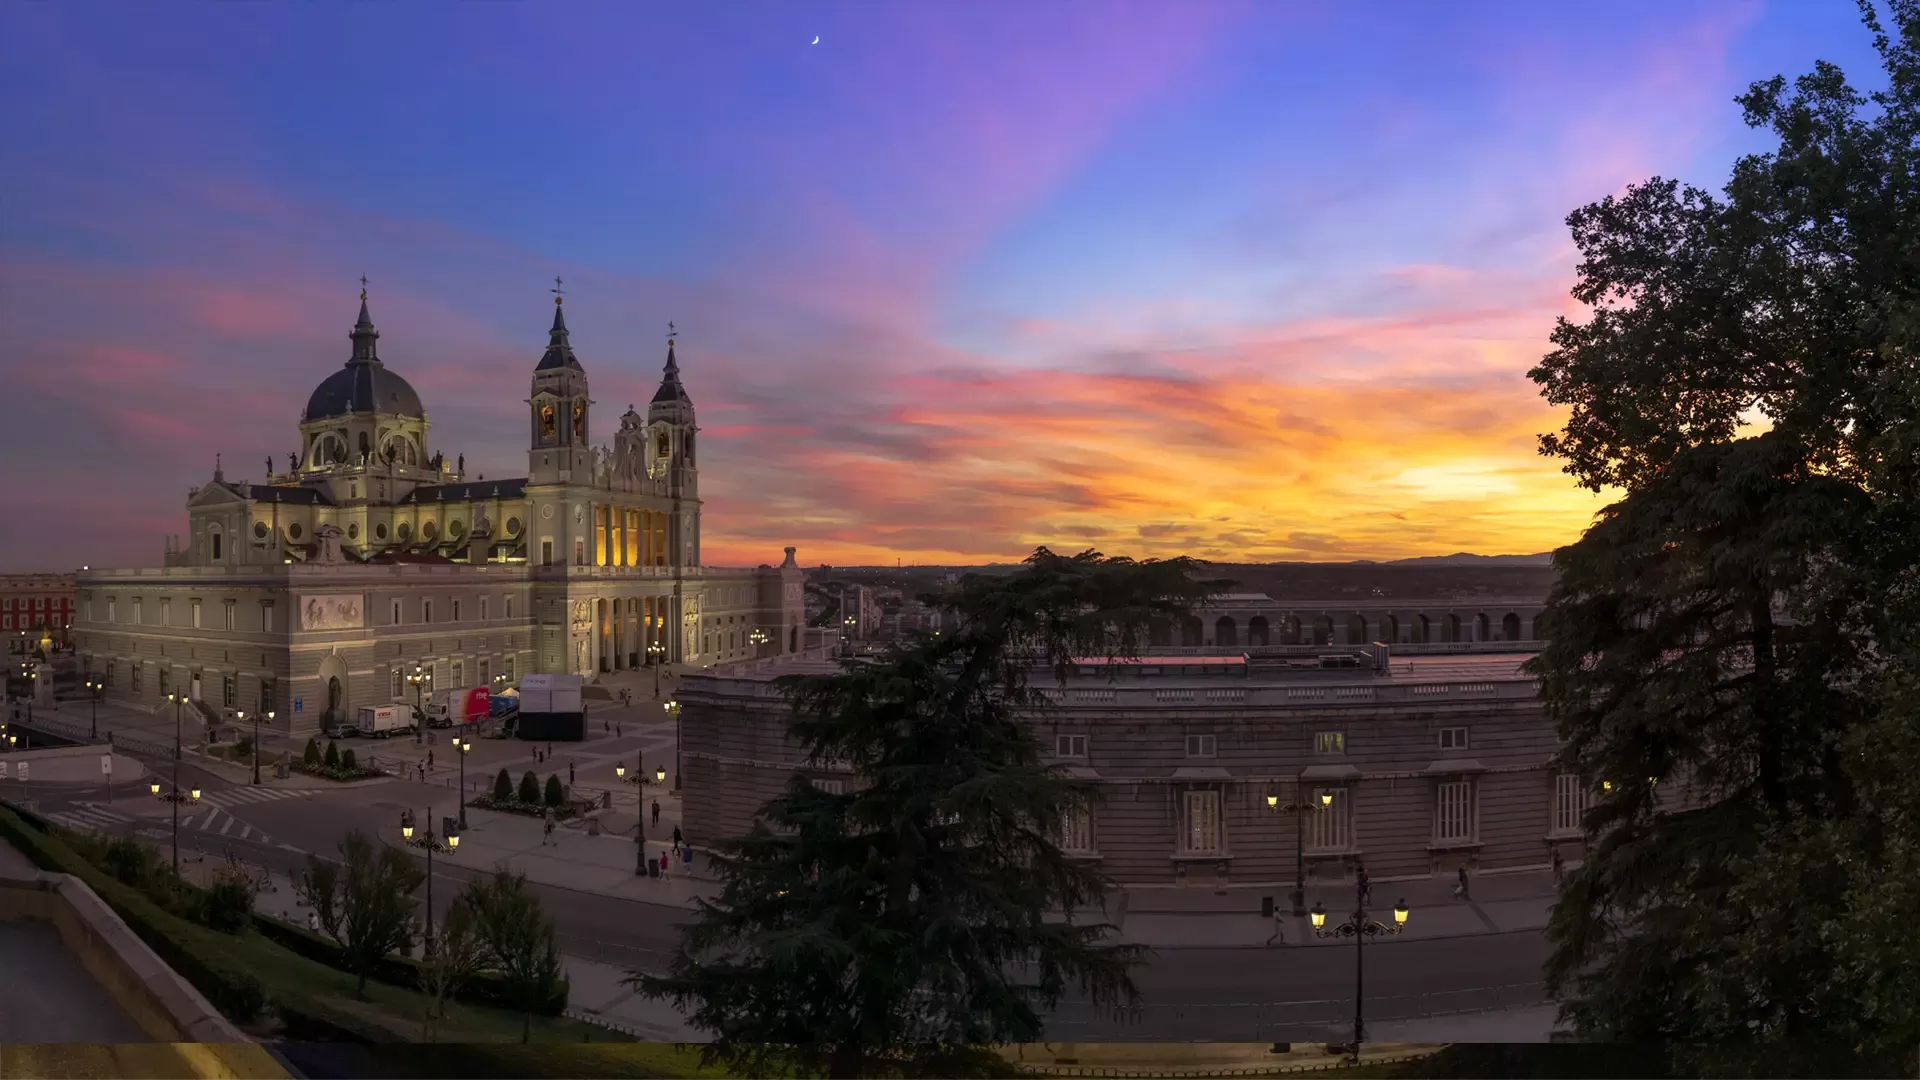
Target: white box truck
column 382, row 721
column 448, row 707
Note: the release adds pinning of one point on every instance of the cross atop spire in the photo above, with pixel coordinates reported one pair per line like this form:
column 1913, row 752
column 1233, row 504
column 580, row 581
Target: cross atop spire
column 670, row 331
column 363, row 288
column 559, row 352
column 557, row 294
column 364, row 335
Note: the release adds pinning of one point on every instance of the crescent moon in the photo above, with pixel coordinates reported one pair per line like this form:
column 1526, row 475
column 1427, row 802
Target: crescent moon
column 816, row 40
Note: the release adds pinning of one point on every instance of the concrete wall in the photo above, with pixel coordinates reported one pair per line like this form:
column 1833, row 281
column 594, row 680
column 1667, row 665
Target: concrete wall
column 160, row 1001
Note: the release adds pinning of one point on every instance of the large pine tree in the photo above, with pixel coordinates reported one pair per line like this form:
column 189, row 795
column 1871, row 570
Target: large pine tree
column 928, row 910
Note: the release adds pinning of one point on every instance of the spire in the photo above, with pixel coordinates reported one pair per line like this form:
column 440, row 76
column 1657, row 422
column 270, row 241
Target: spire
column 670, row 388
column 559, row 352
column 364, row 335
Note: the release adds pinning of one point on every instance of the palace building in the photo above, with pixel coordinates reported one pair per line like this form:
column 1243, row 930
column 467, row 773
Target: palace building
column 372, row 558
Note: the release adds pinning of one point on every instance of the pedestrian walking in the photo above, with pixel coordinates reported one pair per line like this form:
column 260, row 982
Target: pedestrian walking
column 569, row 773
column 1559, row 868
column 1366, row 887
column 676, row 838
column 423, row 773
column 616, row 729
column 1279, row 927
column 1460, row 890
column 665, row 866
column 429, row 759
column 656, row 811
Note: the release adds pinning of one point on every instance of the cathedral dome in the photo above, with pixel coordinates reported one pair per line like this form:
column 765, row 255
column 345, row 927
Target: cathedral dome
column 363, row 387
column 364, row 384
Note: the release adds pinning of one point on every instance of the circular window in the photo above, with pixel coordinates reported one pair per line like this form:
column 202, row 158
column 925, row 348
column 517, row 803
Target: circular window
column 380, row 531
column 259, row 530
column 513, row 526
column 458, row 527
column 428, row 530
column 406, row 530
column 353, row 530
column 293, row 531
column 546, row 513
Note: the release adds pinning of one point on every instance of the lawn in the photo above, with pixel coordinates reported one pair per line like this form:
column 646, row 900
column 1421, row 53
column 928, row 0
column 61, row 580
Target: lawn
column 310, row 1000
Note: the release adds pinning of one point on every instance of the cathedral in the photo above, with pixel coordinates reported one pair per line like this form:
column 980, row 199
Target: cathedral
column 374, row 569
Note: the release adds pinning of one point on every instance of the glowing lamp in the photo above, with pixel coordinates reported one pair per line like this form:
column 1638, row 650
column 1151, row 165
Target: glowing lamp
column 1319, row 916
column 1400, row 913
column 1273, row 801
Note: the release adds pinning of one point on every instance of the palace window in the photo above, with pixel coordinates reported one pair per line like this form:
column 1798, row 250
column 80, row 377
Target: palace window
column 166, row 681
column 396, row 613
column 486, row 666
column 459, row 673
column 1201, row 746
column 508, row 602
column 1076, row 831
column 266, row 616
column 426, row 611
column 1453, row 738
column 1330, row 742
column 483, row 609
column 112, row 616
column 1200, row 832
column 546, row 553
column 266, row 696
column 506, row 668
column 228, row 695
column 1453, row 812
column 195, row 604
column 399, row 685
column 831, row 787
column 456, row 611
column 579, row 551
column 226, row 614
column 136, row 676
column 1070, row 746
column 166, row 611
column 1569, row 804
column 1330, row 823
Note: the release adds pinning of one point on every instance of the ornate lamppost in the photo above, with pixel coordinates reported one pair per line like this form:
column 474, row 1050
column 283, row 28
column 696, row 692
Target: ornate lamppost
column 432, row 844
column 174, row 795
column 757, row 637
column 655, row 654
column 679, row 766
column 1359, row 927
column 97, row 687
column 462, row 744
column 1298, row 808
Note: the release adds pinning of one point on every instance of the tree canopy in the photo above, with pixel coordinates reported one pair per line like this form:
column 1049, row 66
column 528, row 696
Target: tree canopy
column 1730, row 652
column 927, row 908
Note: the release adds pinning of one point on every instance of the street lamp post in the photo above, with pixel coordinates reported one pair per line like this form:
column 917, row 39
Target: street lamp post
column 1359, row 927
column 655, row 653
column 98, row 686
column 673, row 710
column 431, row 843
column 462, row 744
column 757, row 637
column 1298, row 808
column 174, row 795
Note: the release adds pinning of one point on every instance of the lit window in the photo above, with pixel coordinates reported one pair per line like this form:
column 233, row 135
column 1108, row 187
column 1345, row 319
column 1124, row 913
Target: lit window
column 1330, row 742
column 830, row 787
column 1331, row 821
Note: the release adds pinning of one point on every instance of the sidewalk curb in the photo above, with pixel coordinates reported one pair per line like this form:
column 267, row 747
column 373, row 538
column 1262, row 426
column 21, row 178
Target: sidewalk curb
column 1334, row 944
column 544, row 884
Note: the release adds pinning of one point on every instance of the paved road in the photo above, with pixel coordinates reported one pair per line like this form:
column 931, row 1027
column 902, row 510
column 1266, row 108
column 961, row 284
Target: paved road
column 1195, row 993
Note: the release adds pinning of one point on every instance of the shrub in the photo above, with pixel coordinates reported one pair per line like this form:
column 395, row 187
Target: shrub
column 503, row 787
column 347, row 762
column 227, row 904
column 332, row 760
column 132, row 862
column 482, row 988
column 556, row 795
column 530, row 789
column 312, row 753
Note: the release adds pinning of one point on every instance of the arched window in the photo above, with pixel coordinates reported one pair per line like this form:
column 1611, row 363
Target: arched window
column 1225, row 633
column 214, row 536
column 1510, row 627
column 1323, row 630
column 1422, row 629
column 1191, row 634
column 1450, row 629
column 1389, row 629
column 1257, row 633
column 1481, row 628
column 1357, row 629
column 1290, row 631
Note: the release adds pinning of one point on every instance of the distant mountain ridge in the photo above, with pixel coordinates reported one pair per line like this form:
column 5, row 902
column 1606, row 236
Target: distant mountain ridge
column 1463, row 558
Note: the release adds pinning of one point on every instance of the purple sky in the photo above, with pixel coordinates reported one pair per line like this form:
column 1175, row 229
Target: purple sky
column 1249, row 281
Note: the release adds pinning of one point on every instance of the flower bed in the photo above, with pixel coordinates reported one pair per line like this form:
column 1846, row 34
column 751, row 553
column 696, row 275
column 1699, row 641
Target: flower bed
column 341, row 773
column 572, row 808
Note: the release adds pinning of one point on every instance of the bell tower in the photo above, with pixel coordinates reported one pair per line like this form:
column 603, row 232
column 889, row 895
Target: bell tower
column 672, row 456
column 559, row 408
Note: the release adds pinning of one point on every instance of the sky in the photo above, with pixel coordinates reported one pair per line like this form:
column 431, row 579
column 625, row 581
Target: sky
column 1248, row 281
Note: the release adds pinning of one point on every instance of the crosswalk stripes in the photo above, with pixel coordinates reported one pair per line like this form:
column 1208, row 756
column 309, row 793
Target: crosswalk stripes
column 240, row 795
column 227, row 825
column 88, row 818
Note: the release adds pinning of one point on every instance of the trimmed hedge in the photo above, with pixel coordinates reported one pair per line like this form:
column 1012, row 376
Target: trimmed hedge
column 180, row 943
column 482, row 989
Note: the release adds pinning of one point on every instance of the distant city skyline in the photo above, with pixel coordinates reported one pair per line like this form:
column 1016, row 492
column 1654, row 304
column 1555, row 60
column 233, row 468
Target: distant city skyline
column 1254, row 282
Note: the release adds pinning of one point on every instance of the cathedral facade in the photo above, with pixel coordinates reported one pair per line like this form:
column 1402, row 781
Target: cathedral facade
column 373, row 569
